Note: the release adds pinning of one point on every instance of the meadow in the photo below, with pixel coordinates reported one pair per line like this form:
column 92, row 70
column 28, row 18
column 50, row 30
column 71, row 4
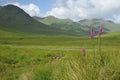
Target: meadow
column 41, row 57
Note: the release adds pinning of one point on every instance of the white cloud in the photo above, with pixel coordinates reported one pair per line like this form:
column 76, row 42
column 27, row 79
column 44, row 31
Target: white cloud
column 80, row 9
column 31, row 9
column 116, row 18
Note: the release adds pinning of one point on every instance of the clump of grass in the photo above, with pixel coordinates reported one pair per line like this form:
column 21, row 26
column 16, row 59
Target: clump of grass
column 82, row 68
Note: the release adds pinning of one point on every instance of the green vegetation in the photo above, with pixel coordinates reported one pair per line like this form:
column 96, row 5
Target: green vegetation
column 31, row 50
column 40, row 57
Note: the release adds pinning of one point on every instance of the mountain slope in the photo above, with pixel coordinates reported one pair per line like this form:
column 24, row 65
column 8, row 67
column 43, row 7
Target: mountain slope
column 82, row 27
column 64, row 24
column 107, row 24
column 15, row 19
column 79, row 28
column 51, row 20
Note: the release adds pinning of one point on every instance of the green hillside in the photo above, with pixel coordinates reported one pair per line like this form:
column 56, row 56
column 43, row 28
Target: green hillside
column 15, row 19
column 14, row 38
column 64, row 24
column 79, row 28
column 51, row 20
column 108, row 25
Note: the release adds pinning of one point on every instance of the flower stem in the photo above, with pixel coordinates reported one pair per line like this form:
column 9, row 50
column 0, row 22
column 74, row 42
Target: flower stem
column 101, row 57
column 93, row 48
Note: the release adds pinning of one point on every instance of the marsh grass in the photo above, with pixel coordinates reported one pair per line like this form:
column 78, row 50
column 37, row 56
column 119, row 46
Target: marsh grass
column 73, row 66
column 16, row 58
column 83, row 68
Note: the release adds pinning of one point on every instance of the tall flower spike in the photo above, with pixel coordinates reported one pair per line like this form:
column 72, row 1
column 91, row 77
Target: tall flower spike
column 83, row 51
column 100, row 31
column 91, row 32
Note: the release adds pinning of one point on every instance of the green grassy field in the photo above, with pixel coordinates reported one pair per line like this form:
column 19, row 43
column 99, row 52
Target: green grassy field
column 41, row 57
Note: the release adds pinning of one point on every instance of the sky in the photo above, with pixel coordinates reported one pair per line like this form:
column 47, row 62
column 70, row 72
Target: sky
column 72, row 9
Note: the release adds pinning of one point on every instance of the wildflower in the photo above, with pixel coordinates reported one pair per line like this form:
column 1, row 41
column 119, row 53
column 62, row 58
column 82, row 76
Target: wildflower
column 92, row 33
column 101, row 56
column 100, row 31
column 83, row 51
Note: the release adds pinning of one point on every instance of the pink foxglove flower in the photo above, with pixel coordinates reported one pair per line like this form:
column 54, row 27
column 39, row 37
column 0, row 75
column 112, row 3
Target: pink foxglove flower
column 100, row 31
column 83, row 51
column 92, row 33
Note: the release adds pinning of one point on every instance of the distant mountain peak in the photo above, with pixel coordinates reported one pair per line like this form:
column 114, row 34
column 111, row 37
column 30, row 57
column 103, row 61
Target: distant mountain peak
column 38, row 18
column 13, row 11
column 13, row 18
column 83, row 20
column 11, row 7
column 53, row 17
column 94, row 20
column 110, row 21
column 50, row 17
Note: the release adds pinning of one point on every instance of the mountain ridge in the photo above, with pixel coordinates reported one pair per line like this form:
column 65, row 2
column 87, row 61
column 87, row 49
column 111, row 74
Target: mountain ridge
column 15, row 19
column 64, row 24
column 108, row 24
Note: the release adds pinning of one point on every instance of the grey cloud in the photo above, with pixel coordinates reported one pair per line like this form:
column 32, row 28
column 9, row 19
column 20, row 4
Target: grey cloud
column 80, row 9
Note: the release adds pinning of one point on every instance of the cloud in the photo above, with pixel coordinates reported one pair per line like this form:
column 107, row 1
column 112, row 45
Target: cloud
column 31, row 9
column 116, row 18
column 80, row 9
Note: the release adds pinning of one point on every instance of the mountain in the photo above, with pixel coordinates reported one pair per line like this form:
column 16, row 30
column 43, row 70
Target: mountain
column 110, row 21
column 79, row 28
column 37, row 18
column 12, row 18
column 64, row 24
column 51, row 20
column 108, row 25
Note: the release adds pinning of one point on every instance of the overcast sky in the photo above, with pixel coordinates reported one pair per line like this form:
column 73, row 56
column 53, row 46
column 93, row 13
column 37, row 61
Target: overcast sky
column 73, row 9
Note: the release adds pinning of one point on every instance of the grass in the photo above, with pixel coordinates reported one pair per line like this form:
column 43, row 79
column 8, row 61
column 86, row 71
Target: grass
column 40, row 57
